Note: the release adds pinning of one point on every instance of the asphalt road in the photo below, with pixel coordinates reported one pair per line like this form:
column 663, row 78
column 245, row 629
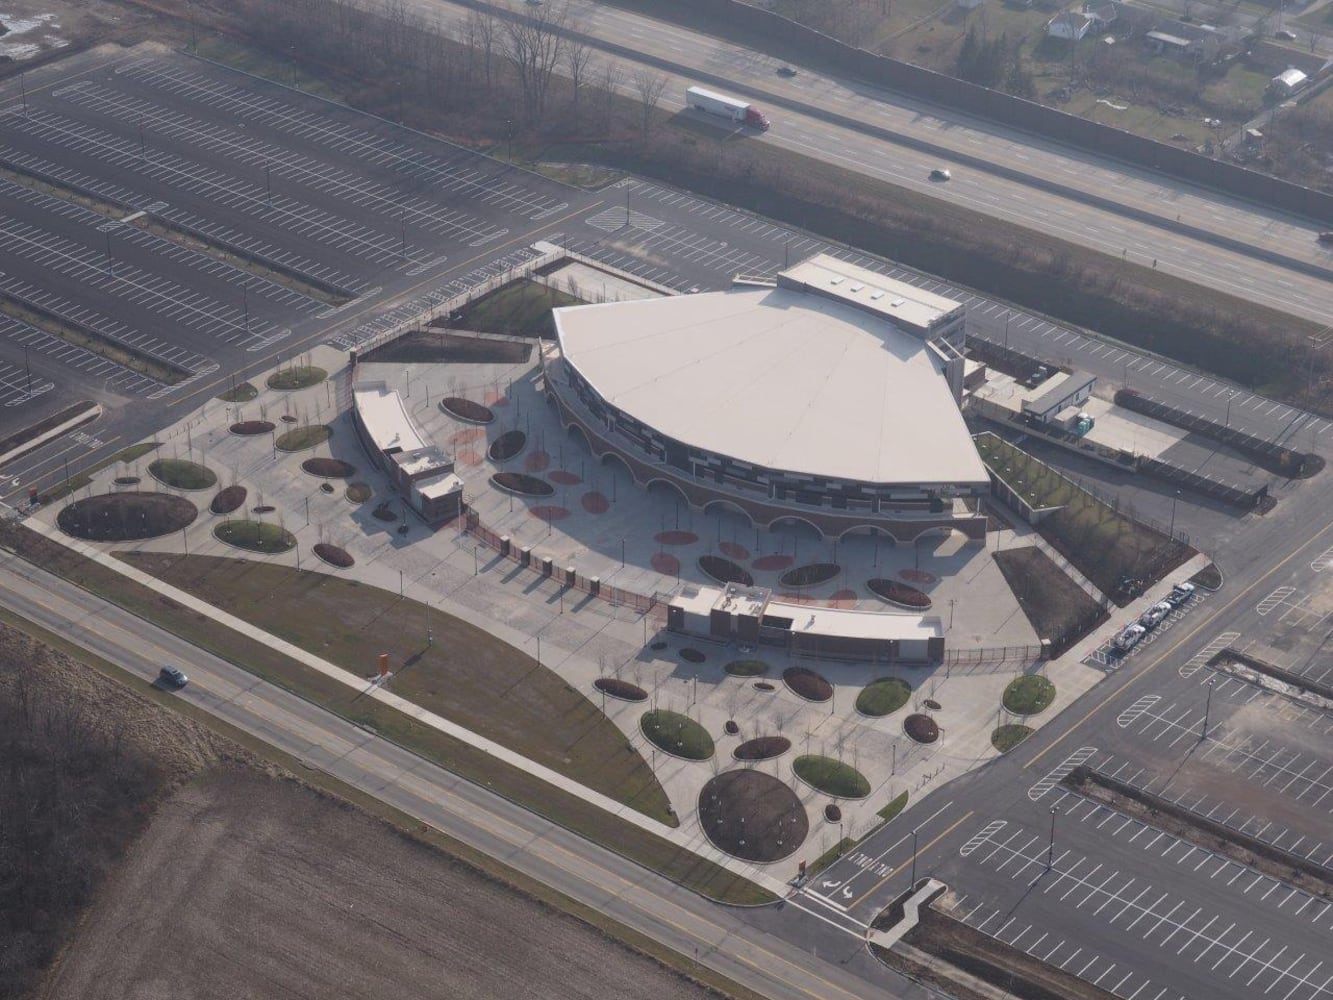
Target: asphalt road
column 1197, row 234
column 593, row 875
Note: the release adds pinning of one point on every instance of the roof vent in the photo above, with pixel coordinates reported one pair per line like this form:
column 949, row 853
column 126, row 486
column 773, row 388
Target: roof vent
column 877, row 295
column 857, row 288
column 897, row 302
column 836, row 281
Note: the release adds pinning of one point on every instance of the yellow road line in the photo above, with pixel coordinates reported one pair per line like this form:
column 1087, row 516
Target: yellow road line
column 929, row 844
column 1243, row 595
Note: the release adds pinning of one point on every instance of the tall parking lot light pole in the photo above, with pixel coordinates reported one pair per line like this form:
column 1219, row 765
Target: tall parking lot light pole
column 1173, row 513
column 1050, row 850
column 1207, row 708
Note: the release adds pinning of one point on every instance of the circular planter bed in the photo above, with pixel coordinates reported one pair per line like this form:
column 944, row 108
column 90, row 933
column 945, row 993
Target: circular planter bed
column 691, row 655
column 1029, row 695
column 677, row 734
column 731, row 728
column 467, row 410
column 752, row 815
column 297, row 377
column 746, row 668
column 127, row 480
column 725, row 571
column 522, row 484
column 334, row 556
column 329, row 468
column 807, row 684
column 932, row 704
column 248, row 428
column 507, row 445
column 832, row 813
column 183, row 475
column 898, row 593
column 832, row 777
column 301, row 438
column 255, row 536
column 242, row 393
column 229, row 498
column 763, row 686
column 921, row 728
column 1005, row 738
column 881, row 697
column 384, row 513
column 359, row 492
column 675, row 536
column 617, row 688
column 125, row 517
column 287, row 418
column 326, row 487
column 762, row 748
column 810, row 575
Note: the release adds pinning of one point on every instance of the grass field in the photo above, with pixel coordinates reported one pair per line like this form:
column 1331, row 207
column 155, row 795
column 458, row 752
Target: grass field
column 1029, row 694
column 831, row 776
column 677, row 734
column 301, row 438
column 1006, row 737
column 256, row 536
column 522, row 308
column 183, row 475
column 1102, row 543
column 1058, row 608
column 883, row 696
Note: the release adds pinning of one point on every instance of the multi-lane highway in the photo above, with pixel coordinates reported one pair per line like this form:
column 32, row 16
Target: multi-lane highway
column 1197, row 234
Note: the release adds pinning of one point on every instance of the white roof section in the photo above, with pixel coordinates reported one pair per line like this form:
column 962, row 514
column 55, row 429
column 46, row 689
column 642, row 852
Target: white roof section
column 849, row 623
column 872, row 291
column 1290, row 77
column 434, row 487
column 780, row 379
column 385, row 417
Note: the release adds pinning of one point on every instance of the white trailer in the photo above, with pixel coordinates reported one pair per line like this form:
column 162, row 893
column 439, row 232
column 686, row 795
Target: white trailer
column 730, row 108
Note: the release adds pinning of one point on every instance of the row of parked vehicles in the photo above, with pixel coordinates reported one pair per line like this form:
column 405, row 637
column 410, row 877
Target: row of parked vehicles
column 1130, row 635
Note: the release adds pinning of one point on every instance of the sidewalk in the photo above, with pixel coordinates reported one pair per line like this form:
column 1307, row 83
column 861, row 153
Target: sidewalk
column 679, row 836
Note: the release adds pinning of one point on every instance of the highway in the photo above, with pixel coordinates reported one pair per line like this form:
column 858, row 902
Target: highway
column 1202, row 236
column 675, row 917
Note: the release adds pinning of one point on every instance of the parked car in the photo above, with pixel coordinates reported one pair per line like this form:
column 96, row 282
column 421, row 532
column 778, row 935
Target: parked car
column 1129, row 637
column 1154, row 615
column 941, row 174
column 174, row 676
column 1285, row 35
column 1180, row 593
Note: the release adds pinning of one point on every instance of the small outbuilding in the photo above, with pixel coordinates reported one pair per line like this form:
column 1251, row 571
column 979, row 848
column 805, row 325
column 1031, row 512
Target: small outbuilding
column 1288, row 82
column 1069, row 25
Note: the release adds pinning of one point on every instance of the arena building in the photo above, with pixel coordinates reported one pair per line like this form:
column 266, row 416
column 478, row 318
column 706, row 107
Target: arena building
column 829, row 395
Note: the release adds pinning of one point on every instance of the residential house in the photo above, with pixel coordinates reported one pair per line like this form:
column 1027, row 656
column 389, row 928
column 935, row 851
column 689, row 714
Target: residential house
column 1069, row 25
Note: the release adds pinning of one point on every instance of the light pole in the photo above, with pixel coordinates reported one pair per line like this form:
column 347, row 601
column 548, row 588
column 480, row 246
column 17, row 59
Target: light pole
column 1173, row 514
column 1050, row 851
column 1207, row 708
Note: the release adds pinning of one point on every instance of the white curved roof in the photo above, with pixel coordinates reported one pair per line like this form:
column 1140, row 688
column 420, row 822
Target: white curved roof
column 778, row 378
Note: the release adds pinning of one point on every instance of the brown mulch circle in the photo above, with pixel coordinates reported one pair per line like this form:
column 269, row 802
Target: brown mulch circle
column 384, row 513
column 617, row 688
column 288, row 418
column 564, row 478
column 126, row 517
column 507, row 445
column 329, row 468
column 807, row 684
column 127, row 480
column 932, row 704
column 752, row 815
column 810, row 575
column 842, row 599
column 733, row 550
column 467, row 409
column 675, row 536
column 517, row 482
column 762, row 748
column 731, row 728
column 468, row 457
column 725, row 571
column 899, row 593
column 537, row 461
column 263, row 508
column 549, row 512
column 918, row 576
column 666, row 563
column 595, row 503
column 228, row 499
column 832, row 813
column 691, row 655
column 334, row 556
column 921, row 728
column 246, row 428
column 468, row 435
column 763, row 686
column 326, row 487
column 772, row 562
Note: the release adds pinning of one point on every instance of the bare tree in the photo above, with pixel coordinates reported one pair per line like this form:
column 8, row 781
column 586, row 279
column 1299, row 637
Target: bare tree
column 648, row 85
column 481, row 35
column 578, row 61
column 613, row 77
column 533, row 44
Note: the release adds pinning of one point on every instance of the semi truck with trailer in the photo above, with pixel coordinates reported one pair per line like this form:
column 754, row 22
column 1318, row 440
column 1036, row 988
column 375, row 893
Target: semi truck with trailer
column 730, row 108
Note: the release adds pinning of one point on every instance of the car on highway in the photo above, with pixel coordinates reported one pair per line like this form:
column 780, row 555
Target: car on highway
column 1326, row 237
column 941, row 174
column 173, row 676
column 1180, row 593
column 1129, row 637
column 1156, row 614
column 1285, row 35
column 786, row 71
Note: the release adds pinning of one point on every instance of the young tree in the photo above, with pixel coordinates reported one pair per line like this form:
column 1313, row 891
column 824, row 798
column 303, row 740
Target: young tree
column 648, row 85
column 578, row 62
